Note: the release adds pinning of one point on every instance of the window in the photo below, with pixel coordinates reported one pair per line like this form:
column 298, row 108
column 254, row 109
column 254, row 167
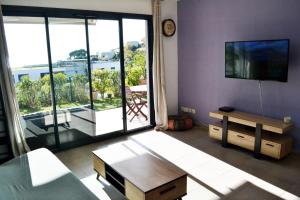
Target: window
column 79, row 78
column 136, row 71
column 27, row 46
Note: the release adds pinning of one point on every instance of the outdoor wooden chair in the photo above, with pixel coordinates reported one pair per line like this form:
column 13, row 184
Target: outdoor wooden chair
column 135, row 103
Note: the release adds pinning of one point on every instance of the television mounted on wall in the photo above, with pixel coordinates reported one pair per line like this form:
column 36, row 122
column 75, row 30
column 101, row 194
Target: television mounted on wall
column 257, row 60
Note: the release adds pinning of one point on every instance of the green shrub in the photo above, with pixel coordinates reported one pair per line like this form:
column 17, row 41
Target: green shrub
column 79, row 93
column 61, row 89
column 28, row 93
column 115, row 83
column 135, row 66
column 101, row 81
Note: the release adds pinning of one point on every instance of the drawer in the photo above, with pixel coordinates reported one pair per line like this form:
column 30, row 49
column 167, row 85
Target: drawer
column 99, row 166
column 270, row 148
column 242, row 140
column 172, row 190
column 215, row 132
column 277, row 149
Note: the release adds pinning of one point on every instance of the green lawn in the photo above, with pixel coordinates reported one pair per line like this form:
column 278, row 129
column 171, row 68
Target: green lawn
column 107, row 103
column 25, row 111
column 99, row 105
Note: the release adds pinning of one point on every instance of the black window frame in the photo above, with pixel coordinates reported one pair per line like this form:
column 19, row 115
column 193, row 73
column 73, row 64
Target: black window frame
column 46, row 13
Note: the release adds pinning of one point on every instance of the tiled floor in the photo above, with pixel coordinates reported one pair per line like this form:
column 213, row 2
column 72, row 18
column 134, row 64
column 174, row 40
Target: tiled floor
column 214, row 172
column 92, row 123
column 106, row 121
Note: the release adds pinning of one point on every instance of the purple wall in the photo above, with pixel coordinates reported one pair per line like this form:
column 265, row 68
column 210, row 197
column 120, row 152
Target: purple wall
column 203, row 28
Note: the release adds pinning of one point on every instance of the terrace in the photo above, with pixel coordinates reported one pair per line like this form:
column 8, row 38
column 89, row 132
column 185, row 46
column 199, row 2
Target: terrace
column 76, row 121
column 85, row 120
column 79, row 123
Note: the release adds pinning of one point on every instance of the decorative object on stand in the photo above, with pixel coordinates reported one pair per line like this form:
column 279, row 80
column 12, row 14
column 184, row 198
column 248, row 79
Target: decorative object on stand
column 168, row 27
column 287, row 119
column 180, row 123
column 226, row 109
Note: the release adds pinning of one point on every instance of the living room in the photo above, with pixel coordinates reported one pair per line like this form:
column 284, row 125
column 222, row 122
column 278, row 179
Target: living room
column 140, row 99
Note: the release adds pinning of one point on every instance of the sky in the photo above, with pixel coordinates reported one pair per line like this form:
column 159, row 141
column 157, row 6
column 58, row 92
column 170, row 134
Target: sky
column 27, row 42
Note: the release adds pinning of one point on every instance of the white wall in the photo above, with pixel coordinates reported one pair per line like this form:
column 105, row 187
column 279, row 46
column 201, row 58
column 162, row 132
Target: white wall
column 169, row 10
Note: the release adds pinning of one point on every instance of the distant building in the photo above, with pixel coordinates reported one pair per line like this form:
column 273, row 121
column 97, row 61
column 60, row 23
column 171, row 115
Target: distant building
column 69, row 68
column 134, row 44
column 105, row 60
column 107, row 55
column 110, row 55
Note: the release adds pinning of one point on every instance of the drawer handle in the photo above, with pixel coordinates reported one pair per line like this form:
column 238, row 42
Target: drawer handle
column 240, row 136
column 216, row 129
column 167, row 190
column 271, row 145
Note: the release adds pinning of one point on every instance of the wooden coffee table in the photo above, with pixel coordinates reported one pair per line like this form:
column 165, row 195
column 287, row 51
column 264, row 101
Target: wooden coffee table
column 140, row 176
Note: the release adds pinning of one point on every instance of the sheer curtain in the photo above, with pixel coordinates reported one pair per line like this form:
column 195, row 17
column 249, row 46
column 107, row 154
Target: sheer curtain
column 15, row 129
column 159, row 88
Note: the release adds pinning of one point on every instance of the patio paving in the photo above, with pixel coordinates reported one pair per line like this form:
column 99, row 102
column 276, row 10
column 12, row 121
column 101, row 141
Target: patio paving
column 96, row 123
column 91, row 122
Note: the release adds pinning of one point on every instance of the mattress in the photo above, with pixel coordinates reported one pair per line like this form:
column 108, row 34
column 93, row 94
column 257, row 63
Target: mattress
column 39, row 175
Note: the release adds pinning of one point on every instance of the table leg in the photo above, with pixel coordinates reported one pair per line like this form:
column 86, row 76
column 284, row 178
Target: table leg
column 97, row 176
column 257, row 146
column 225, row 131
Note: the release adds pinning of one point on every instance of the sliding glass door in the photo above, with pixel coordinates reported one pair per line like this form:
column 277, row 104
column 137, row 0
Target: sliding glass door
column 136, row 64
column 80, row 77
column 71, row 79
column 106, row 75
column 27, row 46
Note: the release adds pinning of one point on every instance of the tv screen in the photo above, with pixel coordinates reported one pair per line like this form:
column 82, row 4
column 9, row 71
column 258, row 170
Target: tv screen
column 259, row 60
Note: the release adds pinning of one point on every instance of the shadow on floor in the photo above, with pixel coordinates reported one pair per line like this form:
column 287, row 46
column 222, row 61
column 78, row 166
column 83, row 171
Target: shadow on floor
column 283, row 173
column 248, row 191
column 214, row 172
column 102, row 189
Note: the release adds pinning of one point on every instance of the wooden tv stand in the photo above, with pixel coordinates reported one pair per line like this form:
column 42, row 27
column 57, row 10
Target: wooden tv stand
column 254, row 132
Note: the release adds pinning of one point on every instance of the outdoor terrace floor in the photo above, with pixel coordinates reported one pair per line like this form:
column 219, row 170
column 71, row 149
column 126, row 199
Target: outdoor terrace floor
column 89, row 122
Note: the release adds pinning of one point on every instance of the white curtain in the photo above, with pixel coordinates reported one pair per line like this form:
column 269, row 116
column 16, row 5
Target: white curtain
column 159, row 88
column 11, row 107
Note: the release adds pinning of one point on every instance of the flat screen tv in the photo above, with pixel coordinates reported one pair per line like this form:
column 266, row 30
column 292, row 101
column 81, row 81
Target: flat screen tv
column 258, row 60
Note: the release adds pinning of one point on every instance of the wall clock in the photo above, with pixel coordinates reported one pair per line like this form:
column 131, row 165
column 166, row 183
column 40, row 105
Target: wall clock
column 169, row 27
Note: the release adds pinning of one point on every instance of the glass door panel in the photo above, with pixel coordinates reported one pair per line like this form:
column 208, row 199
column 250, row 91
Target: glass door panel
column 136, row 73
column 27, row 46
column 75, row 119
column 87, row 98
column 106, row 75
